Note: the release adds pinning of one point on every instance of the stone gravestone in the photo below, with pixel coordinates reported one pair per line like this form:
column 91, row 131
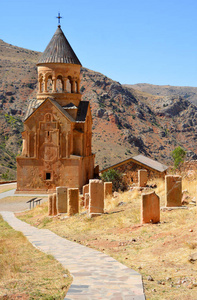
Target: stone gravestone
column 173, row 190
column 107, row 189
column 61, row 199
column 85, row 189
column 142, row 178
column 150, row 211
column 73, row 201
column 54, row 207
column 50, row 204
column 96, row 194
column 86, row 200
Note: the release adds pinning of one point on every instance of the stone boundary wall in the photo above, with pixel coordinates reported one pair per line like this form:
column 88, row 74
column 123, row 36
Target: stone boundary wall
column 10, row 181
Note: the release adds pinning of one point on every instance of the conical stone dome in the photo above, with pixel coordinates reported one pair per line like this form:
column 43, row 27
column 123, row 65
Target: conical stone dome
column 59, row 50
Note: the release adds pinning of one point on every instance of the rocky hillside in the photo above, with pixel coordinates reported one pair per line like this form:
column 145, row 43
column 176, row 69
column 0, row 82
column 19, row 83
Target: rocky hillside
column 186, row 92
column 18, row 79
column 126, row 121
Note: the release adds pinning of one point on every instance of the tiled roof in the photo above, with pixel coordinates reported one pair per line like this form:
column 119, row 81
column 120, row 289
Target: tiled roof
column 59, row 50
column 59, row 107
column 150, row 163
column 62, row 110
column 31, row 106
column 81, row 109
column 143, row 161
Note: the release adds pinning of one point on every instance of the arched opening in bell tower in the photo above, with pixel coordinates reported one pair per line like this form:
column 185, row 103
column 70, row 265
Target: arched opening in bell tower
column 68, row 85
column 60, row 84
column 49, row 83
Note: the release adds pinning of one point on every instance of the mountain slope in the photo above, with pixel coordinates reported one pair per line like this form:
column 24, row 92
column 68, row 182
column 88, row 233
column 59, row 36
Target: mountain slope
column 126, row 121
column 186, row 92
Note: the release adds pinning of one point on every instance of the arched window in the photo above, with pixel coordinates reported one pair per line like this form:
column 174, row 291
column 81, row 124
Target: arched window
column 68, row 85
column 49, row 84
column 60, row 84
column 48, row 117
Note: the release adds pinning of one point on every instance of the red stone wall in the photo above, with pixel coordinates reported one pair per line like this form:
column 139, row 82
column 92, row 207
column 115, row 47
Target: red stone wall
column 51, row 155
column 130, row 170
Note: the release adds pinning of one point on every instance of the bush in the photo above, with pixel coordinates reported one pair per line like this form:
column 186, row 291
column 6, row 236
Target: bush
column 115, row 177
column 178, row 155
column 30, row 85
column 82, row 89
column 7, row 176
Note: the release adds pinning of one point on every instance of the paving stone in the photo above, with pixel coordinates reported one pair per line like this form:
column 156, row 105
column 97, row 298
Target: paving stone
column 106, row 277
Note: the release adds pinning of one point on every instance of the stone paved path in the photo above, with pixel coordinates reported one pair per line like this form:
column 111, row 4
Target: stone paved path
column 95, row 275
column 20, row 204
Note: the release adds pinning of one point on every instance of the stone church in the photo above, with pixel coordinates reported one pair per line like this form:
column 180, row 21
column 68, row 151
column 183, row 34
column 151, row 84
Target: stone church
column 57, row 136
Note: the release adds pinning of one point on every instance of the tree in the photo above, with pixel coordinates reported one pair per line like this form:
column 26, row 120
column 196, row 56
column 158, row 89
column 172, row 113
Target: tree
column 178, row 155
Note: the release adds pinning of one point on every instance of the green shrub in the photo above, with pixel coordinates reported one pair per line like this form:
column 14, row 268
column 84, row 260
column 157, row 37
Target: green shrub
column 30, row 85
column 115, row 177
column 178, row 155
column 7, row 176
column 82, row 89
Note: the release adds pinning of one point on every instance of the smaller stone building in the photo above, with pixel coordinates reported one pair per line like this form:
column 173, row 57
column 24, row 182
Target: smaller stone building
column 130, row 168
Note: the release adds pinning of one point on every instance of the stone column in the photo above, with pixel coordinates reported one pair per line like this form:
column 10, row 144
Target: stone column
column 54, row 207
column 96, row 192
column 73, row 201
column 67, row 144
column 54, row 84
column 45, row 84
column 78, row 86
column 50, row 204
column 107, row 189
column 40, row 86
column 142, row 178
column 173, row 190
column 61, row 199
column 150, row 209
column 65, row 84
column 25, row 146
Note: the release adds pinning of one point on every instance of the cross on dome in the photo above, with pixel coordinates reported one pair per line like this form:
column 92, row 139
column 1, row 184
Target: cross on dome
column 59, row 17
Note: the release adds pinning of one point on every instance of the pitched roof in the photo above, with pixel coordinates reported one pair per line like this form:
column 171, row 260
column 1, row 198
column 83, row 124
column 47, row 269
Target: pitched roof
column 60, row 108
column 150, row 163
column 59, row 50
column 143, row 161
column 31, row 106
column 63, row 111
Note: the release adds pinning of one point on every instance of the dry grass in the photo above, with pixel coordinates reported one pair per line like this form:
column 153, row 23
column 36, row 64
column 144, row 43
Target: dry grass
column 27, row 273
column 160, row 250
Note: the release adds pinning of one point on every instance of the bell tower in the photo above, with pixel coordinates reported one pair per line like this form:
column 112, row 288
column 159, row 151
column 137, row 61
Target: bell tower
column 59, row 72
column 57, row 137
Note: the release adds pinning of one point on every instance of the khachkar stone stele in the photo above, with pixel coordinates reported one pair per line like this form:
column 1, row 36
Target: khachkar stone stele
column 57, row 137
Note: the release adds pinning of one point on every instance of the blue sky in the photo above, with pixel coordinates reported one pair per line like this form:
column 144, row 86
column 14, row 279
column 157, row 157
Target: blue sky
column 130, row 41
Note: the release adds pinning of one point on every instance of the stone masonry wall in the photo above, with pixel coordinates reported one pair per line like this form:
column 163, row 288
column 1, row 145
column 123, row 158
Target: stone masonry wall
column 130, row 170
